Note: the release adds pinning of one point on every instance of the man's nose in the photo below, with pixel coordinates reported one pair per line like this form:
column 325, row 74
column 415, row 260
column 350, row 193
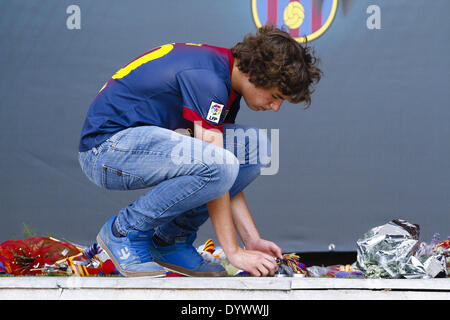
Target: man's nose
column 275, row 106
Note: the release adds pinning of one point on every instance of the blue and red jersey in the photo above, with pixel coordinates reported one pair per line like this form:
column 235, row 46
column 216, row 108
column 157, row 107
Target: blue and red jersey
column 171, row 86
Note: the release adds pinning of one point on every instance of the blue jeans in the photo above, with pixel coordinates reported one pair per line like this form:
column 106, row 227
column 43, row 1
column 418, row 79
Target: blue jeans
column 184, row 174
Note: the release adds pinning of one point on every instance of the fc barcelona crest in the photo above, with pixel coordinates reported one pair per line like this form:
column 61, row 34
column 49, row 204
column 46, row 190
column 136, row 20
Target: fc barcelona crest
column 302, row 19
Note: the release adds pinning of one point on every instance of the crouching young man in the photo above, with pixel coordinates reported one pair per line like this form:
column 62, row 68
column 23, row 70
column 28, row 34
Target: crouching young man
column 133, row 127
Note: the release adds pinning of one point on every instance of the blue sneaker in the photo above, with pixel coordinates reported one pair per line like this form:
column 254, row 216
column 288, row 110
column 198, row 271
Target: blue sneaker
column 130, row 254
column 183, row 258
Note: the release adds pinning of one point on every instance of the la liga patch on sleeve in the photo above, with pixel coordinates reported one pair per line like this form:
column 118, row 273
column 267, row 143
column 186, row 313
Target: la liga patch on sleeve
column 215, row 109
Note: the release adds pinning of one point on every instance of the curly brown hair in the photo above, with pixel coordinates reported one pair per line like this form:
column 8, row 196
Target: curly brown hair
column 273, row 59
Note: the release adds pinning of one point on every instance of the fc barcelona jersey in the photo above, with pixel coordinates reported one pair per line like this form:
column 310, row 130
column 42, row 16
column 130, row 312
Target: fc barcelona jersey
column 171, row 86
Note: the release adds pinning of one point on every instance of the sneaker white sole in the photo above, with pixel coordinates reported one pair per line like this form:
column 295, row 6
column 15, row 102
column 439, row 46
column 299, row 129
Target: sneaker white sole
column 190, row 273
column 154, row 274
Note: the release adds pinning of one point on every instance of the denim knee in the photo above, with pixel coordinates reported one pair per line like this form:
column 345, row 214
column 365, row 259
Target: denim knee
column 223, row 173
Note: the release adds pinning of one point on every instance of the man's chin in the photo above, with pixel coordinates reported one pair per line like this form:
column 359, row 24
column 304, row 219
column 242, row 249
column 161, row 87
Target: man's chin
column 255, row 108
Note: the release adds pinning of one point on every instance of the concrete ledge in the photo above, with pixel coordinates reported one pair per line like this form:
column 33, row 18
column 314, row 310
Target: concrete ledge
column 373, row 284
column 244, row 288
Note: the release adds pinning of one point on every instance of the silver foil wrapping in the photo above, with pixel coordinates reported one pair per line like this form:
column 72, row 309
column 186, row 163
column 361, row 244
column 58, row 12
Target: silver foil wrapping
column 387, row 251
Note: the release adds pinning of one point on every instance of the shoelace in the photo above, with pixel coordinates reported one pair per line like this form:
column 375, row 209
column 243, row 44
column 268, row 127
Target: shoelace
column 141, row 247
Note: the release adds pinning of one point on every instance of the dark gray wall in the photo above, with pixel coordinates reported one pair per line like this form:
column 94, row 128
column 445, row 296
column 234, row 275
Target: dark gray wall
column 373, row 146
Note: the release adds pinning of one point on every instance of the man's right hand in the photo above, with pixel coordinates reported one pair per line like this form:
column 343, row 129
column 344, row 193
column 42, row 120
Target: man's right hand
column 257, row 263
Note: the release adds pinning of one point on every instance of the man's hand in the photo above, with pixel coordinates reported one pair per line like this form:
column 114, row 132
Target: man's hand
column 257, row 263
column 265, row 246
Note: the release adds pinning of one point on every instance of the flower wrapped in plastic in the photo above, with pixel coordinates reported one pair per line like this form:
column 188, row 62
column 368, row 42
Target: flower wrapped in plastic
column 394, row 250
